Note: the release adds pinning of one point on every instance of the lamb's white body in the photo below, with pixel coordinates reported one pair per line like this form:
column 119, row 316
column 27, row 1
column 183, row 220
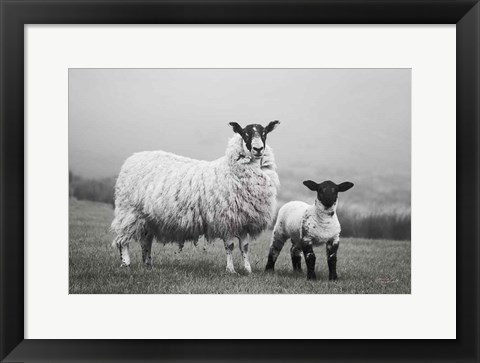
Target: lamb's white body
column 300, row 221
column 177, row 199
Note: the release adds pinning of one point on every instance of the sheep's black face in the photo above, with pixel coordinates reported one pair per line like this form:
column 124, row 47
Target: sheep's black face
column 254, row 137
column 327, row 192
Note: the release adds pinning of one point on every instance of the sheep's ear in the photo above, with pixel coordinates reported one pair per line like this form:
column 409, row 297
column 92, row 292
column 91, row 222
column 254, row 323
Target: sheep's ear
column 236, row 127
column 345, row 186
column 311, row 185
column 271, row 126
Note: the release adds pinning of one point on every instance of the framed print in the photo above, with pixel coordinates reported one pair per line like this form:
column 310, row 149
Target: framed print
column 239, row 181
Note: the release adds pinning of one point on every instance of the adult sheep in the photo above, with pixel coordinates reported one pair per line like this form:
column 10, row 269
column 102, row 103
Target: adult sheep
column 175, row 199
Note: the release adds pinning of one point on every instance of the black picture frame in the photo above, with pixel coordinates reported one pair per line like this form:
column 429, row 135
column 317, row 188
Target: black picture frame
column 15, row 14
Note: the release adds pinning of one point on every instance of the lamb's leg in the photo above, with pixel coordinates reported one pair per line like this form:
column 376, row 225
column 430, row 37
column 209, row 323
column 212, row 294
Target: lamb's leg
column 310, row 258
column 244, row 250
column 278, row 240
column 332, row 247
column 296, row 253
column 146, row 244
column 228, row 249
column 123, row 248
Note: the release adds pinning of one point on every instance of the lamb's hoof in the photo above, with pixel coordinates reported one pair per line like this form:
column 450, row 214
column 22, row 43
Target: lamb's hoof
column 148, row 266
column 270, row 267
column 312, row 277
column 124, row 265
column 332, row 278
column 248, row 270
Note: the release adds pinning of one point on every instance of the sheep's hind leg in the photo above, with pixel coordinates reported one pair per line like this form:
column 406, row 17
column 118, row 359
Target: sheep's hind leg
column 123, row 248
column 296, row 254
column 278, row 240
column 332, row 248
column 244, row 250
column 229, row 249
column 146, row 243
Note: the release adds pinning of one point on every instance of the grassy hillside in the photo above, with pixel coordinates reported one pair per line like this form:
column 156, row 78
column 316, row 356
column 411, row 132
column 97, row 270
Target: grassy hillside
column 364, row 266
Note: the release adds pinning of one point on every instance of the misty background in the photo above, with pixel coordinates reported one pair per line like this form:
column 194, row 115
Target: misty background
column 338, row 124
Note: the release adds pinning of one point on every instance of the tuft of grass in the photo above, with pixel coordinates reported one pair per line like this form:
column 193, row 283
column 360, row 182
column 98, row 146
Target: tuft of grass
column 364, row 266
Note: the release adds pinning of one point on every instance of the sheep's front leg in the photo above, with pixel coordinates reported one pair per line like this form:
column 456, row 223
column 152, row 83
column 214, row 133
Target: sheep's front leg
column 229, row 249
column 332, row 247
column 310, row 258
column 244, row 250
column 124, row 254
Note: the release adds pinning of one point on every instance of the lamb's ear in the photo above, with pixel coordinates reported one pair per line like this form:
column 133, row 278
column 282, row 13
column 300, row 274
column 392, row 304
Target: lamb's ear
column 271, row 126
column 236, row 127
column 310, row 184
column 345, row 186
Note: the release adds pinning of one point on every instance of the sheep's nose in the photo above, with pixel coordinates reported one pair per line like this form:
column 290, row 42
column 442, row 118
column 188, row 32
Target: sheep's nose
column 258, row 150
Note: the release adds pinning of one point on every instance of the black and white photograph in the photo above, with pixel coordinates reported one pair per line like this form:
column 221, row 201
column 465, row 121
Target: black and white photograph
column 261, row 181
column 239, row 181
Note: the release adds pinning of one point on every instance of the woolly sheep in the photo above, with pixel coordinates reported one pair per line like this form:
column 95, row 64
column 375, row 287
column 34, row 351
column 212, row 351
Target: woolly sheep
column 309, row 225
column 177, row 199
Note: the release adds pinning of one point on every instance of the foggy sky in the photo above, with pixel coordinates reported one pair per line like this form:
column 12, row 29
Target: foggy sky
column 351, row 119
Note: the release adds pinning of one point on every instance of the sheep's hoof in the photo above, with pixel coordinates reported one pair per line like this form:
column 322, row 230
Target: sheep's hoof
column 231, row 270
column 124, row 265
column 333, row 277
column 248, row 270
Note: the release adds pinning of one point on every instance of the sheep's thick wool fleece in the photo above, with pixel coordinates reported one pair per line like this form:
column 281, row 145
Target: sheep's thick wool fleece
column 179, row 199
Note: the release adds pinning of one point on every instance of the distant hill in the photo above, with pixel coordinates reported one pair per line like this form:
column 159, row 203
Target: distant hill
column 377, row 206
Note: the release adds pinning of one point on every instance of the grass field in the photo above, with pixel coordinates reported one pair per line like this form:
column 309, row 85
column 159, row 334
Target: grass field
column 364, row 266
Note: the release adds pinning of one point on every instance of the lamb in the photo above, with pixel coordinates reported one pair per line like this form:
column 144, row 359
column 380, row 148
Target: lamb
column 307, row 226
column 175, row 199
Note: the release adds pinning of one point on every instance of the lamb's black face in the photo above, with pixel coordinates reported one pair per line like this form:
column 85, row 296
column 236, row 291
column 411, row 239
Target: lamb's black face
column 327, row 192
